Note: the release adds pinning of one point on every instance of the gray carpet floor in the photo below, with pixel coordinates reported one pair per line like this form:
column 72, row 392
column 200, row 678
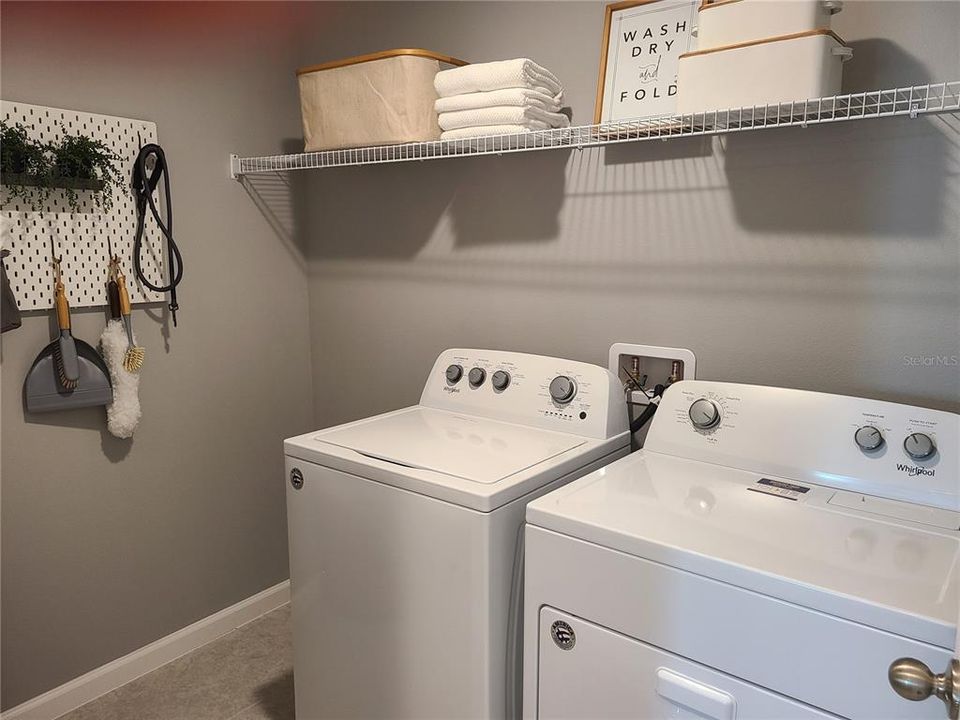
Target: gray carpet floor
column 245, row 675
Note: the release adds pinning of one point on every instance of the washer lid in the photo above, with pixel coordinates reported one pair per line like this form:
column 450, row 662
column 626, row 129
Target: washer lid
column 461, row 446
column 781, row 538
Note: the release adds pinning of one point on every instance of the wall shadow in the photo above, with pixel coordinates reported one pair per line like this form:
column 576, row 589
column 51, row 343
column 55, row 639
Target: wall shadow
column 88, row 418
column 281, row 199
column 790, row 181
column 856, row 178
column 376, row 211
column 657, row 150
column 390, row 210
column 512, row 198
column 881, row 63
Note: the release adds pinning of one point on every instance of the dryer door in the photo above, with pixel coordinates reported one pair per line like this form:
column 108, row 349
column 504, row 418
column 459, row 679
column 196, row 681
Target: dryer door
column 588, row 671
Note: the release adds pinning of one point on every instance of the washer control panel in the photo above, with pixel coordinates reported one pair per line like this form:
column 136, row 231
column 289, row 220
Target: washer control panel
column 877, row 448
column 545, row 392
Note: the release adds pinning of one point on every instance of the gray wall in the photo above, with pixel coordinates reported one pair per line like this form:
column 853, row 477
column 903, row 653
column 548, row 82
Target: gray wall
column 109, row 545
column 813, row 258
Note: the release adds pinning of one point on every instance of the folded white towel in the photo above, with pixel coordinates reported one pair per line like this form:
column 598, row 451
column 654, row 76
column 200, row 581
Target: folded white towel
column 504, row 115
column 519, row 97
column 483, row 130
column 483, row 77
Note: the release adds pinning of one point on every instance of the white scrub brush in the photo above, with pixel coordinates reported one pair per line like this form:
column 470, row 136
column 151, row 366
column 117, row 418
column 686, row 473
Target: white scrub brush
column 123, row 414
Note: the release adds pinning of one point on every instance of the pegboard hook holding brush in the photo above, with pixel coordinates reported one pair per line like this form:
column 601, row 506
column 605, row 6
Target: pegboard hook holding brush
column 148, row 169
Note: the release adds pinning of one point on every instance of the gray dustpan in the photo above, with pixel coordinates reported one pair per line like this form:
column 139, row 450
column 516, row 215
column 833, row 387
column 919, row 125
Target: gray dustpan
column 67, row 373
column 43, row 391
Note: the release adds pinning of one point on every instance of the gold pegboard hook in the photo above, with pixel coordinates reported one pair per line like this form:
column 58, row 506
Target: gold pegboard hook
column 57, row 275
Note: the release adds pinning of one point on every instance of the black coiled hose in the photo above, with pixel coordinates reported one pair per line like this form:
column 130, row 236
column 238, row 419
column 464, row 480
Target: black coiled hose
column 649, row 411
column 144, row 184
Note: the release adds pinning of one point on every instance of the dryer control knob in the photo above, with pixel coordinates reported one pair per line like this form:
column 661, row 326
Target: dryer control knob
column 454, row 373
column 477, row 376
column 562, row 389
column 868, row 438
column 704, row 414
column 500, row 380
column 919, row 446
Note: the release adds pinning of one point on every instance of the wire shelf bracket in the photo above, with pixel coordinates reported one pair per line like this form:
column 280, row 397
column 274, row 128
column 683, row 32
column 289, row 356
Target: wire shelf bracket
column 932, row 99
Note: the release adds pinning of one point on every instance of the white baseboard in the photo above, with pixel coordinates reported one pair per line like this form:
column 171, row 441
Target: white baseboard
column 54, row 703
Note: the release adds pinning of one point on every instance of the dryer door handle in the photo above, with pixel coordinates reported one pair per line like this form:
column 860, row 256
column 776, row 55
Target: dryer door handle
column 913, row 680
column 688, row 693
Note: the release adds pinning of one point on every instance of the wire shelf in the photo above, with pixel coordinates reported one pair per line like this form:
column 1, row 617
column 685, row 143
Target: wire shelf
column 911, row 101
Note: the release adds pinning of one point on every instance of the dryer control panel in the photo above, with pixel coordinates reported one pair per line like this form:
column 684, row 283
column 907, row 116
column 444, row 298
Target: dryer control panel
column 535, row 390
column 878, row 448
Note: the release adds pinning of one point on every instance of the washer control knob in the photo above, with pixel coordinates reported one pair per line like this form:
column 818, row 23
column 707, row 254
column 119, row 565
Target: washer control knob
column 477, row 376
column 454, row 373
column 868, row 438
column 704, row 414
column 919, row 446
column 563, row 389
column 500, row 380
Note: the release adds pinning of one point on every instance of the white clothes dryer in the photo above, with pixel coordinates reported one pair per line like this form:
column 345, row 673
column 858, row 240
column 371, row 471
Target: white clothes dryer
column 769, row 553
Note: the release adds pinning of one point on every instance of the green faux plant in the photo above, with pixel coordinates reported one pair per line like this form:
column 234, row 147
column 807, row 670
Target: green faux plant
column 77, row 157
column 24, row 164
column 32, row 169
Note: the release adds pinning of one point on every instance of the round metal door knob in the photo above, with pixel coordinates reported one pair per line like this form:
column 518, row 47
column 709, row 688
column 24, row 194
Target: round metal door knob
column 913, row 680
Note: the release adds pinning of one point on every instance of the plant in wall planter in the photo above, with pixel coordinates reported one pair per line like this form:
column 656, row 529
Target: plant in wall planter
column 31, row 169
column 80, row 163
column 24, row 165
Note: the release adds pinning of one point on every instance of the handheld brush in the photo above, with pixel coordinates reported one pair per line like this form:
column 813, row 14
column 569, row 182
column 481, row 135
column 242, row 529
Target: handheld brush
column 134, row 357
column 65, row 350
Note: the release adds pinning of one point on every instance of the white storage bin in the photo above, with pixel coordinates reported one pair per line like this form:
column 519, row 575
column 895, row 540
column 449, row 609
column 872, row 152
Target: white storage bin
column 764, row 72
column 730, row 22
column 383, row 98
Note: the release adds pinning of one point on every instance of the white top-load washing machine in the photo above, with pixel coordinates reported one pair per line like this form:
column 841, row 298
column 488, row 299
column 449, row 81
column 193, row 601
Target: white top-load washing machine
column 768, row 554
column 405, row 534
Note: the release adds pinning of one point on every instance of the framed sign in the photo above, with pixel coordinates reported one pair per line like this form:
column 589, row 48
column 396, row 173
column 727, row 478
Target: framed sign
column 642, row 44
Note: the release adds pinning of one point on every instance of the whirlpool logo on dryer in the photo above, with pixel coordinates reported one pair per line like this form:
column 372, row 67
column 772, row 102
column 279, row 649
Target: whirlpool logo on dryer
column 914, row 471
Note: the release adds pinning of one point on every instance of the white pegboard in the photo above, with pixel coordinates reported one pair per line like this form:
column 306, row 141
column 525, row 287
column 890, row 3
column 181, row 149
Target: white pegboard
column 79, row 238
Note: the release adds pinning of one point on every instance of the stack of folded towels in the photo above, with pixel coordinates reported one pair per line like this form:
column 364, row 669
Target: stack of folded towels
column 498, row 98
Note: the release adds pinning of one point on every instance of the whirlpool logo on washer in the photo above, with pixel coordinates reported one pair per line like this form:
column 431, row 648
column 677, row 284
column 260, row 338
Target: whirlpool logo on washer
column 296, row 478
column 914, row 470
column 563, row 635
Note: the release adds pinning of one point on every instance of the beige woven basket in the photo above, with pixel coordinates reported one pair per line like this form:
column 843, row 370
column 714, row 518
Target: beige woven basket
column 384, row 98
